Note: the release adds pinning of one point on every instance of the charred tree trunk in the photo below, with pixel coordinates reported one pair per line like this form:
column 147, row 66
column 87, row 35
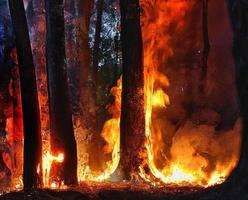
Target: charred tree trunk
column 31, row 120
column 117, row 46
column 62, row 134
column 78, row 52
column 96, row 48
column 82, row 89
column 132, row 115
column 239, row 16
column 95, row 158
column 206, row 43
column 17, row 147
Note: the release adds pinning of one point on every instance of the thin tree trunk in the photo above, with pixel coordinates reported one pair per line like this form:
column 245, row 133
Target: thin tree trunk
column 96, row 48
column 17, row 125
column 62, row 134
column 132, row 115
column 116, row 69
column 82, row 91
column 95, row 157
column 206, row 48
column 31, row 119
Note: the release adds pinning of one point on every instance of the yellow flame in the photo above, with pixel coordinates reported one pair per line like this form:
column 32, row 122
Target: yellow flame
column 47, row 161
column 186, row 166
column 111, row 134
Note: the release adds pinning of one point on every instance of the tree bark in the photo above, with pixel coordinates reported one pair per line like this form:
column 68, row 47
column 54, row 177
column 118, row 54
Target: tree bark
column 31, row 119
column 62, row 134
column 82, row 89
column 206, row 43
column 132, row 115
column 238, row 10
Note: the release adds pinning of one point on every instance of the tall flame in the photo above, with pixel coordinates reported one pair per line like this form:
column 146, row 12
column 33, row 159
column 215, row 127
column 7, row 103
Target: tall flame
column 111, row 134
column 186, row 165
column 47, row 160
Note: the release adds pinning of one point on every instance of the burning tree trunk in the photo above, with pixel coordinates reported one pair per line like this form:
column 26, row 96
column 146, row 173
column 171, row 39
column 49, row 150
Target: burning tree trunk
column 239, row 15
column 62, row 134
column 31, row 120
column 132, row 116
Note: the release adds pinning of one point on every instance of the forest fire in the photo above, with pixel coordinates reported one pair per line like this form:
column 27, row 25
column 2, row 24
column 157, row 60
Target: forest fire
column 157, row 118
column 189, row 163
column 47, row 161
column 111, row 134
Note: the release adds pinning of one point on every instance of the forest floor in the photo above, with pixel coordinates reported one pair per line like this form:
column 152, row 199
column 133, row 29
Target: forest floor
column 128, row 192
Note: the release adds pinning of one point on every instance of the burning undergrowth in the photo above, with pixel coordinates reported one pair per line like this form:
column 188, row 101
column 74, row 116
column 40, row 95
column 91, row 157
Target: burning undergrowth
column 192, row 125
column 184, row 142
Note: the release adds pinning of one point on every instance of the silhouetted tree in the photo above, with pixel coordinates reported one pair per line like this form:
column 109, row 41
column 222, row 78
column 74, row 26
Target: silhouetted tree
column 132, row 108
column 31, row 119
column 62, row 134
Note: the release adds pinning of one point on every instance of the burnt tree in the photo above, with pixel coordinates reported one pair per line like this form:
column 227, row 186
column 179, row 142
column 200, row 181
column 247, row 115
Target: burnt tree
column 62, row 134
column 238, row 10
column 80, row 73
column 132, row 115
column 95, row 158
column 31, row 119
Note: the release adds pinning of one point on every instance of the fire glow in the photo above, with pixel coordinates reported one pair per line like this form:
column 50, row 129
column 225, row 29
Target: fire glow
column 196, row 155
column 186, row 166
column 47, row 161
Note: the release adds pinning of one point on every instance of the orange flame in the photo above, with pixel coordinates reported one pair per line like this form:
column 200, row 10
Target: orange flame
column 47, row 161
column 111, row 134
column 187, row 165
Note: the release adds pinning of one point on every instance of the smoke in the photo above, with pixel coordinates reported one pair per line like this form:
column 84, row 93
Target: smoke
column 197, row 136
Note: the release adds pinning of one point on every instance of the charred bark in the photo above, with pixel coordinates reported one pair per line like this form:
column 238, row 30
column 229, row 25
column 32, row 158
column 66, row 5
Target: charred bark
column 95, row 158
column 132, row 115
column 238, row 10
column 78, row 56
column 62, row 134
column 82, row 89
column 31, row 119
column 206, row 48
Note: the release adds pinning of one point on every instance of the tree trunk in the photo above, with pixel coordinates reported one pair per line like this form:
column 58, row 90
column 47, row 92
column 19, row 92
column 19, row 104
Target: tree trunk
column 62, row 134
column 17, row 124
column 132, row 115
column 96, row 48
column 239, row 16
column 31, row 119
column 206, row 43
column 81, row 88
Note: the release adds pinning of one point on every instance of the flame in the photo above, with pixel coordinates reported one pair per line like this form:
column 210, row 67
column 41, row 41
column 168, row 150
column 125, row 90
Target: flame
column 188, row 165
column 47, row 161
column 111, row 134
